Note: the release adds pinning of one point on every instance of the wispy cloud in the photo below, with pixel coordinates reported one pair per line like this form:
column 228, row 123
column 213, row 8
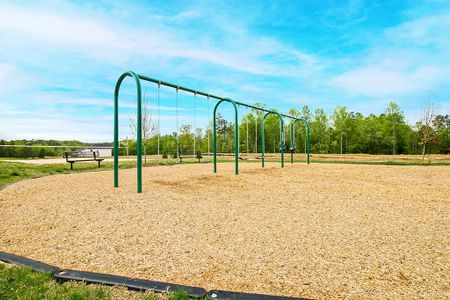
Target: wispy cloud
column 388, row 79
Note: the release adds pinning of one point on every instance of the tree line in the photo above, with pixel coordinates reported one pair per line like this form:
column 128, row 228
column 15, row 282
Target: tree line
column 343, row 132
column 22, row 149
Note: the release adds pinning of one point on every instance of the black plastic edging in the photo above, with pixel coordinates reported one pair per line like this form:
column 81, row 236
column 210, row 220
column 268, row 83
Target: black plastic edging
column 33, row 264
column 226, row 295
column 131, row 283
column 5, row 186
column 23, row 179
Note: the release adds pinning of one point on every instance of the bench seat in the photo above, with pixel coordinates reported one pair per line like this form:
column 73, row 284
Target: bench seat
column 73, row 157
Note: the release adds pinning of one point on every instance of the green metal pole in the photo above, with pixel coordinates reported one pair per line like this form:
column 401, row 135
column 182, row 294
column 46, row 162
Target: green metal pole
column 281, row 139
column 291, row 141
column 139, row 137
column 236, row 135
column 236, row 139
column 307, row 142
column 215, row 138
column 139, row 129
column 116, row 129
column 262, row 140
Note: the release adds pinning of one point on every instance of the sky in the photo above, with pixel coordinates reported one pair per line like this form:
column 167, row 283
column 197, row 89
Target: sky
column 60, row 60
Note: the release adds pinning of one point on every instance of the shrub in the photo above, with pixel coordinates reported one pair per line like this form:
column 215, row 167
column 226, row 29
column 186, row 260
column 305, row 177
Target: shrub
column 42, row 153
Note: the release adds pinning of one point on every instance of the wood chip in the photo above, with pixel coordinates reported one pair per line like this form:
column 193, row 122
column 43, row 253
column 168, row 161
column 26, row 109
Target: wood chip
column 319, row 231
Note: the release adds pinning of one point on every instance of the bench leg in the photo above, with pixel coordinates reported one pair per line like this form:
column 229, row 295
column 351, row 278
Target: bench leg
column 71, row 165
column 99, row 164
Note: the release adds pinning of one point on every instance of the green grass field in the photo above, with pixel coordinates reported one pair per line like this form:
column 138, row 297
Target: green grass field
column 22, row 283
column 11, row 172
column 14, row 171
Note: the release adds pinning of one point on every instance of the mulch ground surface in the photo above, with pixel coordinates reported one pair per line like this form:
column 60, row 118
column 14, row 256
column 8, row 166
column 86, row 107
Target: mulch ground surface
column 319, row 231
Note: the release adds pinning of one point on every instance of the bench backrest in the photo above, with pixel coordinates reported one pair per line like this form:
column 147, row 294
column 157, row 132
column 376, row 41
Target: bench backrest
column 76, row 154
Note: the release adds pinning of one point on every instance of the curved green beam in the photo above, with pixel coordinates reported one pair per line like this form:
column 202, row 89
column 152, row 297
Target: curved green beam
column 236, row 135
column 291, row 139
column 138, row 129
column 281, row 137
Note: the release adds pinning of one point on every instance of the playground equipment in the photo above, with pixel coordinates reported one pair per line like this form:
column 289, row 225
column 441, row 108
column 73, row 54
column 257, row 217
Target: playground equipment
column 137, row 79
column 281, row 137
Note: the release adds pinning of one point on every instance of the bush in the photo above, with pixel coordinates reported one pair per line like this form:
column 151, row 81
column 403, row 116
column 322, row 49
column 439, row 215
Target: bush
column 199, row 155
column 164, row 155
column 42, row 153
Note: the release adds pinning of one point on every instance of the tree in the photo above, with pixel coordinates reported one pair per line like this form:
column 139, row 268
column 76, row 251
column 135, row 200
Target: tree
column 259, row 115
column 394, row 118
column 186, row 138
column 42, row 153
column 306, row 113
column 149, row 128
column 341, row 122
column 427, row 131
column 319, row 129
column 442, row 124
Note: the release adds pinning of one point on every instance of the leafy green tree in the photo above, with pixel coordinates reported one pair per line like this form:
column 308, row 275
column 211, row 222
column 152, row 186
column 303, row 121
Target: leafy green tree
column 42, row 153
column 394, row 119
column 186, row 139
column 342, row 124
column 442, row 124
column 319, row 131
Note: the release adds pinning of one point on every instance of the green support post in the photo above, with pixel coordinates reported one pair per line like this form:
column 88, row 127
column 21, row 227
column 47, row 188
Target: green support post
column 236, row 135
column 281, row 137
column 138, row 125
column 291, row 139
column 307, row 142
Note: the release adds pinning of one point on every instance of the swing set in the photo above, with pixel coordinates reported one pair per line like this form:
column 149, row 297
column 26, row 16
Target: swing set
column 137, row 79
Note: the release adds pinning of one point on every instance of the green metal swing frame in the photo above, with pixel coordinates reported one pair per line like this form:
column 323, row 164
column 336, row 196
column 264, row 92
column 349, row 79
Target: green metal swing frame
column 137, row 79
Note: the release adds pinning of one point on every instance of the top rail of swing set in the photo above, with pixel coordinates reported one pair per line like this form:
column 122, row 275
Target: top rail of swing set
column 137, row 78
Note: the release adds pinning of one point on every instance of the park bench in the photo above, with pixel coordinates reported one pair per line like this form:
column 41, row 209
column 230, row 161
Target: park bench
column 73, row 157
column 189, row 156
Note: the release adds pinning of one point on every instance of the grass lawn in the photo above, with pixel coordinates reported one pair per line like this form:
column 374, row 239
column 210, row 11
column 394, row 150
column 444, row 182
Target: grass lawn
column 22, row 283
column 11, row 172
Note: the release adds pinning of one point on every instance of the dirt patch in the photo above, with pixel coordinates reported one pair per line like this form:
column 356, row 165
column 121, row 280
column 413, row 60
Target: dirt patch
column 319, row 231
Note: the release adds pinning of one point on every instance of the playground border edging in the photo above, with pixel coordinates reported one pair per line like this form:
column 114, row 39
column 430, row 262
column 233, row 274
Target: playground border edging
column 132, row 283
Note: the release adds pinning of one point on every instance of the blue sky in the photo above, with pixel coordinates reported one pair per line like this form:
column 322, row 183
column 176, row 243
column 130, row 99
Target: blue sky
column 59, row 60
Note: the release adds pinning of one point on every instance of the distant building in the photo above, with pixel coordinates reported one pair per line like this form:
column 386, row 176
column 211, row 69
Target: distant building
column 103, row 150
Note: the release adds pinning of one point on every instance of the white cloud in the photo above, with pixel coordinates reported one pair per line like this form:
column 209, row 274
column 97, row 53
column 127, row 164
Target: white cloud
column 108, row 103
column 13, row 79
column 408, row 59
column 377, row 80
column 111, row 41
column 428, row 30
